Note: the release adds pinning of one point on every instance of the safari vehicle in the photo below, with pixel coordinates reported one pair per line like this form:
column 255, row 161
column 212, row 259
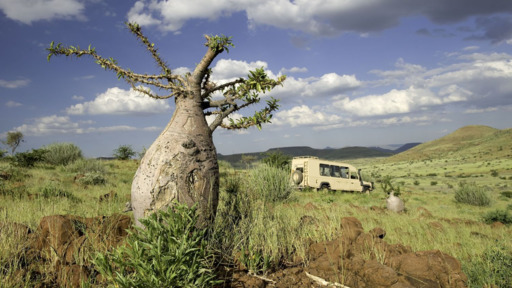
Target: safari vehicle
column 308, row 171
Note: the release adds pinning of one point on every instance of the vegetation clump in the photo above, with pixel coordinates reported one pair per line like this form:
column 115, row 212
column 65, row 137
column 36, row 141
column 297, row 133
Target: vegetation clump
column 62, row 153
column 169, row 252
column 28, row 159
column 472, row 194
column 501, row 216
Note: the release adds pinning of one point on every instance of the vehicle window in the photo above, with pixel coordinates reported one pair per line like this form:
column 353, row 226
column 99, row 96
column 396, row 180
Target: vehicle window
column 344, row 172
column 335, row 171
column 353, row 175
column 325, row 170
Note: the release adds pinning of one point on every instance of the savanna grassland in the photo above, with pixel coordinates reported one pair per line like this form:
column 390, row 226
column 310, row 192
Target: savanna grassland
column 262, row 224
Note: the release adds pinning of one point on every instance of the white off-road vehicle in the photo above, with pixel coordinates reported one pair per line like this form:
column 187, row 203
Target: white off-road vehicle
column 308, row 171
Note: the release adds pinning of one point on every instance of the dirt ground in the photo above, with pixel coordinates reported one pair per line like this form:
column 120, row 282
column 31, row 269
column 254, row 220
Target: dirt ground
column 354, row 259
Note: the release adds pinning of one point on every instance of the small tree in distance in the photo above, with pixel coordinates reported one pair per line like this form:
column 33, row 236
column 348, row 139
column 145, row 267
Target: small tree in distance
column 124, row 152
column 14, row 139
column 182, row 162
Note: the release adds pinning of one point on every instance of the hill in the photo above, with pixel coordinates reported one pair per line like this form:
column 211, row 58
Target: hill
column 329, row 154
column 477, row 140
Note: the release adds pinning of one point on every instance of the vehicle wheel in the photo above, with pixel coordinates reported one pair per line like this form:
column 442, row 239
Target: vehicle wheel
column 325, row 187
column 297, row 177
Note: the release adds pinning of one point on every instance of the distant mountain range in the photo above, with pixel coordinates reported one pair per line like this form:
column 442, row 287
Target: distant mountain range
column 327, row 153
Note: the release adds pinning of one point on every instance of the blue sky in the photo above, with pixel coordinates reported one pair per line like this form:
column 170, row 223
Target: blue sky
column 360, row 72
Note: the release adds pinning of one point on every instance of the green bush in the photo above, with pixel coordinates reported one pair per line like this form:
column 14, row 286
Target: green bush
column 62, row 153
column 3, row 153
column 169, row 252
column 506, row 194
column 271, row 183
column 28, row 159
column 498, row 216
column 93, row 178
column 472, row 194
column 387, row 186
column 124, row 152
column 84, row 166
column 50, row 190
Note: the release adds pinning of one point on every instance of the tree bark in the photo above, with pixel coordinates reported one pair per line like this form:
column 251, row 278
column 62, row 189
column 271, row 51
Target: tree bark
column 181, row 165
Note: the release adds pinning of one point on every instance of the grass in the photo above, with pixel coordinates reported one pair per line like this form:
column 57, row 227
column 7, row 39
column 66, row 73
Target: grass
column 272, row 230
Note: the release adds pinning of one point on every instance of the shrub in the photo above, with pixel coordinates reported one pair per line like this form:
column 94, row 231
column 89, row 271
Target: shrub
column 507, row 194
column 92, row 179
column 387, row 186
column 472, row 194
column 28, row 159
column 84, row 166
column 3, row 153
column 416, row 183
column 433, row 183
column 50, row 191
column 277, row 159
column 124, row 152
column 270, row 183
column 169, row 252
column 62, row 153
column 498, row 216
column 494, row 173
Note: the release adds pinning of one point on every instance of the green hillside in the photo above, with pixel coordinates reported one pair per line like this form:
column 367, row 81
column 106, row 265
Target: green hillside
column 475, row 141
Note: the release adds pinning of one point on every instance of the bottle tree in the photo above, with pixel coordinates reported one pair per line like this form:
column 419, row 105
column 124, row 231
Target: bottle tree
column 181, row 165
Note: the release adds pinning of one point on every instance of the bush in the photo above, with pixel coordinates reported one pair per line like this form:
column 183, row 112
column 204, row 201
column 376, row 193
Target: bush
column 169, row 252
column 124, row 152
column 62, row 153
column 277, row 160
column 498, row 216
column 50, row 191
column 3, row 153
column 84, row 166
column 92, row 179
column 472, row 194
column 271, row 183
column 387, row 186
column 28, row 159
column 507, row 194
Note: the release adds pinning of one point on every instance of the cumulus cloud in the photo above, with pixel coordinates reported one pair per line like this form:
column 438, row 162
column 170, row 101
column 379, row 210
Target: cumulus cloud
column 331, row 84
column 57, row 125
column 28, row 11
column 293, row 70
column 321, row 18
column 13, row 84
column 304, row 115
column 117, row 101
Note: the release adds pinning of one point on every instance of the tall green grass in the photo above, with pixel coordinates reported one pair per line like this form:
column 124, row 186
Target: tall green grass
column 62, row 153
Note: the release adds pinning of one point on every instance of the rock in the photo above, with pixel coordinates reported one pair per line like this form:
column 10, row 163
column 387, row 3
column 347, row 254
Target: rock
column 394, row 203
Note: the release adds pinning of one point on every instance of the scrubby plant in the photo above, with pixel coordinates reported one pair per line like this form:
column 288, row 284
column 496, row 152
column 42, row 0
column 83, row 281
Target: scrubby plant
column 93, row 178
column 3, row 153
column 506, row 194
column 277, row 159
column 472, row 194
column 124, row 152
column 271, row 183
column 498, row 216
column 62, row 153
column 51, row 190
column 28, row 159
column 84, row 166
column 169, row 252
column 388, row 187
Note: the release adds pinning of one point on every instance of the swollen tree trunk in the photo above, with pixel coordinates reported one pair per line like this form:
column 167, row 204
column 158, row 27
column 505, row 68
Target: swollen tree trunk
column 181, row 165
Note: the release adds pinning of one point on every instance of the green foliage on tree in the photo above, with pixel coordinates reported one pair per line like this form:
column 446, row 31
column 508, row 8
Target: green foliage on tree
column 277, row 160
column 124, row 152
column 388, row 187
column 238, row 94
column 28, row 159
column 14, row 139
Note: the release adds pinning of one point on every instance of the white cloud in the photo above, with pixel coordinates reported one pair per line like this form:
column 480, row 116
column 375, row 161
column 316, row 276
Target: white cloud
column 483, row 110
column 12, row 104
column 78, row 98
column 117, row 101
column 14, row 83
column 227, row 69
column 398, row 101
column 293, row 70
column 28, row 11
column 323, row 18
column 331, row 84
column 55, row 125
column 304, row 115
